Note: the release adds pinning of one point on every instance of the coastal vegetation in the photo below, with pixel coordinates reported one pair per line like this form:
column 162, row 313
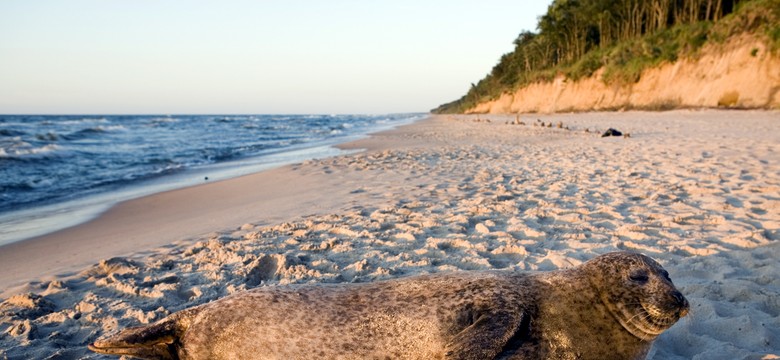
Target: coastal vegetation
column 576, row 38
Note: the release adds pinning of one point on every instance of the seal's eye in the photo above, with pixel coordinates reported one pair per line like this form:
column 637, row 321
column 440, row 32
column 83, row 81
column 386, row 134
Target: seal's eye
column 638, row 276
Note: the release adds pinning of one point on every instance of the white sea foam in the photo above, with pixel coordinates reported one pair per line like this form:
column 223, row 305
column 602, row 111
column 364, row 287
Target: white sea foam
column 25, row 149
column 109, row 128
column 83, row 121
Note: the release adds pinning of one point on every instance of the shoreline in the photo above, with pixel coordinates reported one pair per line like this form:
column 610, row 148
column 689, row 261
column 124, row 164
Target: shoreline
column 42, row 220
column 695, row 190
column 33, row 220
column 143, row 223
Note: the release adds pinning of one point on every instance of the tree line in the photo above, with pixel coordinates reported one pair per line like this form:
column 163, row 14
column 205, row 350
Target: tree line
column 572, row 28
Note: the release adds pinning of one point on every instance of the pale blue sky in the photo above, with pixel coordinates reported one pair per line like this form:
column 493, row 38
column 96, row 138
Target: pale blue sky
column 242, row 56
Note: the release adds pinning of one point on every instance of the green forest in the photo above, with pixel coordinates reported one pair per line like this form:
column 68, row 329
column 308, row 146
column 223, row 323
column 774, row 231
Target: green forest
column 576, row 38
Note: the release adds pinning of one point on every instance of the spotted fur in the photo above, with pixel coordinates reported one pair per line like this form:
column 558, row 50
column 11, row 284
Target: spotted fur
column 611, row 307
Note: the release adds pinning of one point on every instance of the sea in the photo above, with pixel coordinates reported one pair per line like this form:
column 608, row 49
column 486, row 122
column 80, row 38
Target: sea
column 59, row 171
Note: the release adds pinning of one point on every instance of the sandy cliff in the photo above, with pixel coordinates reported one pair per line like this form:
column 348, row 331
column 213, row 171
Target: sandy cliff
column 741, row 73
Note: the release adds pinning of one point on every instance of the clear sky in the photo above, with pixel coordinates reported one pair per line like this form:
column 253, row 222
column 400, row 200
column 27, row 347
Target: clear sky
column 250, row 56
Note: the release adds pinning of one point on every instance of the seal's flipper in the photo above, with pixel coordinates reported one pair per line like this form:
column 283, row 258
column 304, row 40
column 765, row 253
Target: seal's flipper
column 488, row 336
column 156, row 341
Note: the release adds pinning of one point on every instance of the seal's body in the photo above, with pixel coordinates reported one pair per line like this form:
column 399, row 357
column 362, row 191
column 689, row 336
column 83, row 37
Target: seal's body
column 611, row 307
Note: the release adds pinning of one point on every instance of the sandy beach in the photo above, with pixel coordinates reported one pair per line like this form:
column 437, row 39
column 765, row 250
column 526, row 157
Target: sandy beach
column 699, row 191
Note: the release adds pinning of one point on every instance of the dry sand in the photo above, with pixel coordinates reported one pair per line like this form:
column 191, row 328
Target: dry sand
column 697, row 190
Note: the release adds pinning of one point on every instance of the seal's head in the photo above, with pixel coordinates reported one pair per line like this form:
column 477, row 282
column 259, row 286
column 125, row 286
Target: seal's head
column 638, row 292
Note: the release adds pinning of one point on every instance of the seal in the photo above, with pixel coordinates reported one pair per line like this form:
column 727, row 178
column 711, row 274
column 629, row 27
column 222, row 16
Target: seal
column 611, row 307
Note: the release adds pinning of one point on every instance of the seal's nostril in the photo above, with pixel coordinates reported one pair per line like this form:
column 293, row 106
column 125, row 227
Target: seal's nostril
column 679, row 298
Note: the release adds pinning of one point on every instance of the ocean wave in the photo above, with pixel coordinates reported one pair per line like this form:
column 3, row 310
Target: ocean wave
column 162, row 121
column 17, row 187
column 100, row 120
column 143, row 175
column 109, row 128
column 9, row 132
column 218, row 154
column 49, row 136
column 169, row 169
column 15, row 141
column 25, row 149
column 95, row 130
